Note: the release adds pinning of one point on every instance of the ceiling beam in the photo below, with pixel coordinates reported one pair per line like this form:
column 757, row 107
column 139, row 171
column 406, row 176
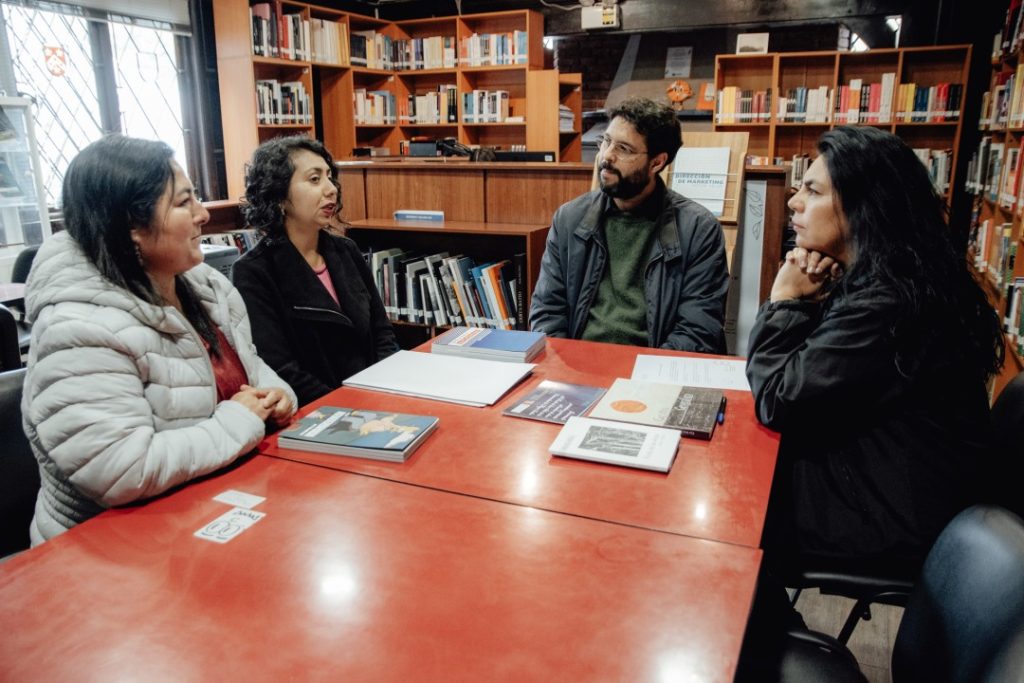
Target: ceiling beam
column 661, row 15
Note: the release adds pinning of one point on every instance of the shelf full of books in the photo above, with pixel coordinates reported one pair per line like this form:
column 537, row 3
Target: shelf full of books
column 358, row 73
column 787, row 100
column 994, row 177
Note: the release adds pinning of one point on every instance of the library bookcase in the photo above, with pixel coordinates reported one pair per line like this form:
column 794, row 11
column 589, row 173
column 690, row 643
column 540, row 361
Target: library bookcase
column 994, row 180
column 333, row 88
column 787, row 100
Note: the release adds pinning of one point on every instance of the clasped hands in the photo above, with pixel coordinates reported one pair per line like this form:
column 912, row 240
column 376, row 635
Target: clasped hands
column 266, row 404
column 804, row 275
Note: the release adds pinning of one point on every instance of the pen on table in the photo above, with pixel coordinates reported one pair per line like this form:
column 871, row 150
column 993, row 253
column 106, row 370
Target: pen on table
column 721, row 412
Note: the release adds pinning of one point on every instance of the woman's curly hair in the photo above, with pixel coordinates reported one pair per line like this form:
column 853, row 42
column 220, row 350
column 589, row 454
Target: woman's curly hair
column 268, row 176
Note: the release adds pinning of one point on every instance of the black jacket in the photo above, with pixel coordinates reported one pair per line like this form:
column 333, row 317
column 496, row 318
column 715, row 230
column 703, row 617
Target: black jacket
column 880, row 447
column 685, row 283
column 299, row 330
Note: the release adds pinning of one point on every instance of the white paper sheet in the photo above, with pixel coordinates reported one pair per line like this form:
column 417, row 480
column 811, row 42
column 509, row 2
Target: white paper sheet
column 456, row 379
column 712, row 373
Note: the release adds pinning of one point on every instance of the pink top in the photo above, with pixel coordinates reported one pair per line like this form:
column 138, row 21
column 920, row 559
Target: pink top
column 325, row 278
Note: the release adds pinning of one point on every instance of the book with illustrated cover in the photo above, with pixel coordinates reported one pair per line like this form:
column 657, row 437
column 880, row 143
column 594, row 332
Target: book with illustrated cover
column 374, row 434
column 478, row 342
column 615, row 443
column 691, row 410
column 555, row 401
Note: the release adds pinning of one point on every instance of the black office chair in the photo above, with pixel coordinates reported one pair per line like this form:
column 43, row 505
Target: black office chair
column 23, row 263
column 19, row 472
column 964, row 620
column 865, row 589
column 10, row 348
column 1008, row 445
column 22, row 267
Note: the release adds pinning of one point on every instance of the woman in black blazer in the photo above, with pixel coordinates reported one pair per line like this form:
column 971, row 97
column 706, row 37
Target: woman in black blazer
column 316, row 315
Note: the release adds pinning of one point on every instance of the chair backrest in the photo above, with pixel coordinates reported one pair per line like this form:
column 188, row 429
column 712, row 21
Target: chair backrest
column 23, row 263
column 10, row 348
column 19, row 472
column 965, row 617
column 1008, row 446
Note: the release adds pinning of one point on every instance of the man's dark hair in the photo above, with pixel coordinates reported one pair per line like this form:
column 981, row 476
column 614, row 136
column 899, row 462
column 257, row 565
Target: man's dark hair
column 656, row 122
column 268, row 177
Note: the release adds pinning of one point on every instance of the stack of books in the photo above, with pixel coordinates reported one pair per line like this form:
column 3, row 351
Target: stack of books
column 477, row 342
column 359, row 433
column 691, row 410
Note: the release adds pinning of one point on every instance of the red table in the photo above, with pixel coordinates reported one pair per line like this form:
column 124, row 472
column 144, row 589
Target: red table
column 716, row 490
column 353, row 578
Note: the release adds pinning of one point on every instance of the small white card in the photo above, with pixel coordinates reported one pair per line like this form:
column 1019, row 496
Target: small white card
column 229, row 525
column 239, row 499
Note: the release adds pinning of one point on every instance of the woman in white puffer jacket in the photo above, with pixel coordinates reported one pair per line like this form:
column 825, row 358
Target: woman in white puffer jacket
column 142, row 373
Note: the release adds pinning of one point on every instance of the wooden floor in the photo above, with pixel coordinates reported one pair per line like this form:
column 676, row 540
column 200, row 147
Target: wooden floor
column 872, row 640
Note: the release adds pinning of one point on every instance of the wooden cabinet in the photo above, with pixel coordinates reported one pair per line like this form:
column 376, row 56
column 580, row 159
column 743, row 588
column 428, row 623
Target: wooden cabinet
column 363, row 97
column 787, row 100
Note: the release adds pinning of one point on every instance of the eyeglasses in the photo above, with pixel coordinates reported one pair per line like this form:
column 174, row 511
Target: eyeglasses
column 620, row 149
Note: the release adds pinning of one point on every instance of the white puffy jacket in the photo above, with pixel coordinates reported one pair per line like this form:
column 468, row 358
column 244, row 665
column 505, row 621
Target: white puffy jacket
column 120, row 401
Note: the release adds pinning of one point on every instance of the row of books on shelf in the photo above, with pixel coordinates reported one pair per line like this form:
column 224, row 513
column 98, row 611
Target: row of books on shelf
column 381, row 107
column 856, row 102
column 995, row 251
column 908, row 103
column 742, row 105
column 939, row 163
column 566, row 119
column 1013, row 320
column 243, row 239
column 375, row 50
column 1003, row 105
column 485, row 106
column 276, row 34
column 1010, row 38
column 494, row 49
column 443, row 289
column 994, row 171
column 439, row 106
column 280, row 102
column 374, row 107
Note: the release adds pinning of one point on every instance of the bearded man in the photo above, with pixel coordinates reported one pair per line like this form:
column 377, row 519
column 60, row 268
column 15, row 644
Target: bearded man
column 634, row 262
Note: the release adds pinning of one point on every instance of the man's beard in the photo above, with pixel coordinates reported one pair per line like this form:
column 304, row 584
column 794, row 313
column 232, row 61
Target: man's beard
column 627, row 187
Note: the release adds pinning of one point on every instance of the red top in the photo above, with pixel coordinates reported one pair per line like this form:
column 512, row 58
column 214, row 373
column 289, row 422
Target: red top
column 228, row 370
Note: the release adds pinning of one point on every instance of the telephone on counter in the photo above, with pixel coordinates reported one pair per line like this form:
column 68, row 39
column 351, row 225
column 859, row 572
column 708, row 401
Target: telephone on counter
column 452, row 147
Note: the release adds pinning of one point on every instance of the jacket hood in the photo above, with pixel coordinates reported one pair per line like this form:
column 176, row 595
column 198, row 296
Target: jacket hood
column 62, row 272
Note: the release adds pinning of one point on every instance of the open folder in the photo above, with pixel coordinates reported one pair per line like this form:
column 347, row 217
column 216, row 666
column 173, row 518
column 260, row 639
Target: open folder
column 456, row 379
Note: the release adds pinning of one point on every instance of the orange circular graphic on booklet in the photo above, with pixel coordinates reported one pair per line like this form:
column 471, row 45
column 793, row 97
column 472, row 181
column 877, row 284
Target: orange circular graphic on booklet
column 629, row 406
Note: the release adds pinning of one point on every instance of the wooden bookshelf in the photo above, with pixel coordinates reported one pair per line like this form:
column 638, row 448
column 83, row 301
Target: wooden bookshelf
column 994, row 180
column 534, row 92
column 779, row 136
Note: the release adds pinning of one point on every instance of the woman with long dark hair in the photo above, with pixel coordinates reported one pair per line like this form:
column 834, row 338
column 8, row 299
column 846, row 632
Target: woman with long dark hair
column 142, row 374
column 316, row 315
column 871, row 358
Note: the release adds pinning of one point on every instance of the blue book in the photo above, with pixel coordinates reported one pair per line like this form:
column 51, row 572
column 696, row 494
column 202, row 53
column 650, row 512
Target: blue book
column 374, row 434
column 555, row 402
column 476, row 342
